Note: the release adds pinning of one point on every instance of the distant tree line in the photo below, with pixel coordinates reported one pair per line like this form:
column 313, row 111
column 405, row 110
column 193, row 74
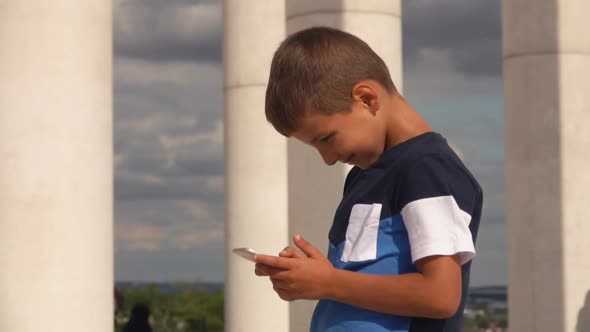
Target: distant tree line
column 185, row 308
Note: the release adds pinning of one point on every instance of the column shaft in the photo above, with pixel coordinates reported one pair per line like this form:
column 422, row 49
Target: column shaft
column 547, row 115
column 255, row 164
column 56, row 202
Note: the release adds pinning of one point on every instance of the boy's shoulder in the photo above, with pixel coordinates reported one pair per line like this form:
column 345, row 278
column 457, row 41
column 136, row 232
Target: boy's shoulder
column 431, row 168
column 422, row 166
column 422, row 150
column 428, row 153
column 426, row 148
column 430, row 148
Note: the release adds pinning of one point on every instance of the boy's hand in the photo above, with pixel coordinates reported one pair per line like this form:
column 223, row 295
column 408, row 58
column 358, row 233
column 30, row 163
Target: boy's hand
column 297, row 275
column 262, row 270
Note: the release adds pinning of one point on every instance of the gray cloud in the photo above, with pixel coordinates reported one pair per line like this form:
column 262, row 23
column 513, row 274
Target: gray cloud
column 167, row 97
column 469, row 29
column 168, row 240
column 137, row 187
column 168, row 134
column 171, row 30
column 147, row 170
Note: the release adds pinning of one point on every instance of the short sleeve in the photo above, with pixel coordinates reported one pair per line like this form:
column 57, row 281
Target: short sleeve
column 437, row 198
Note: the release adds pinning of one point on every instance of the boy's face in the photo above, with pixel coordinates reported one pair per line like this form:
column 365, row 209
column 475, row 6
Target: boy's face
column 356, row 137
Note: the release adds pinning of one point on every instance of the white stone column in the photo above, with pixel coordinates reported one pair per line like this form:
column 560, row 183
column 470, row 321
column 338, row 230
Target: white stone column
column 56, row 177
column 546, row 53
column 255, row 164
column 314, row 188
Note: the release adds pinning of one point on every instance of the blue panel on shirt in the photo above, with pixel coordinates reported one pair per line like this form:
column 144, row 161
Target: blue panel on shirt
column 393, row 257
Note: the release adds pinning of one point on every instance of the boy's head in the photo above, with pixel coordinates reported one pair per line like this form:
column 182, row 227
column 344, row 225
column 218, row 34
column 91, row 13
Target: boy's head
column 315, row 70
column 319, row 79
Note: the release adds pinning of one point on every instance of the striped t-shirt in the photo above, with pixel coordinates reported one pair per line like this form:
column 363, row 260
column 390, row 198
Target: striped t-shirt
column 418, row 200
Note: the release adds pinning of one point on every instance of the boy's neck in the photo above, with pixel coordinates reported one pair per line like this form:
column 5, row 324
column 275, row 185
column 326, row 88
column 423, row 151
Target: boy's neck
column 403, row 122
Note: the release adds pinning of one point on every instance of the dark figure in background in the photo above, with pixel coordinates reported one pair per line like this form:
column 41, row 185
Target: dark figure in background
column 119, row 300
column 139, row 320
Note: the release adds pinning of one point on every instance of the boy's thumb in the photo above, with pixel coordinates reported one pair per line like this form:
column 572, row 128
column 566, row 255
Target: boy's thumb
column 305, row 246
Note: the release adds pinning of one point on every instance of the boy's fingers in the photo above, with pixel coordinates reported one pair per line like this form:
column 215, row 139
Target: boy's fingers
column 274, row 261
column 287, row 252
column 292, row 253
column 262, row 270
column 306, row 247
column 282, row 284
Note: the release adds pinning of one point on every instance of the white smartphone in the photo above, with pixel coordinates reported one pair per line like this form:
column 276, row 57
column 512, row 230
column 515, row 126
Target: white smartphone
column 246, row 253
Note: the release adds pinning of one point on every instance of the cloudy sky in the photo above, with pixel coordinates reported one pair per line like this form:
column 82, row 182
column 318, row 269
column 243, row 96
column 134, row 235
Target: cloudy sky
column 168, row 126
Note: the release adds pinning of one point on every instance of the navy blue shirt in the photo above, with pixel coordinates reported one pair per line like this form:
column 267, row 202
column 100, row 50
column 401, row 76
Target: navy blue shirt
column 418, row 200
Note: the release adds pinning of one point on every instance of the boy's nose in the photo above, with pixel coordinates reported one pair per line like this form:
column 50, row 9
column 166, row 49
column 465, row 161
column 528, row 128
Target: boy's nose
column 329, row 158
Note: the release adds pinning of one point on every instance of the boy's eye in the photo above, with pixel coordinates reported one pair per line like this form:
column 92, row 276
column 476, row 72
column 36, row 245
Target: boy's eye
column 326, row 138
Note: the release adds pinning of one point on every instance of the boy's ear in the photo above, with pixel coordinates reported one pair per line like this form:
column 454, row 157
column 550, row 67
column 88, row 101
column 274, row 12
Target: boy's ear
column 366, row 93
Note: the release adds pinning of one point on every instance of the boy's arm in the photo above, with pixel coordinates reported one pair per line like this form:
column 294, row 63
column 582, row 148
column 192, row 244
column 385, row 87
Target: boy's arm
column 435, row 292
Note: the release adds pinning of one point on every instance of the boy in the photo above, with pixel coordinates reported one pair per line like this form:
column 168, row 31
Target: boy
column 402, row 238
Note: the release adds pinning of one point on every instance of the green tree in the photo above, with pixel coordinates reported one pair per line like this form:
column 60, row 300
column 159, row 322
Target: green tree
column 482, row 321
column 185, row 308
